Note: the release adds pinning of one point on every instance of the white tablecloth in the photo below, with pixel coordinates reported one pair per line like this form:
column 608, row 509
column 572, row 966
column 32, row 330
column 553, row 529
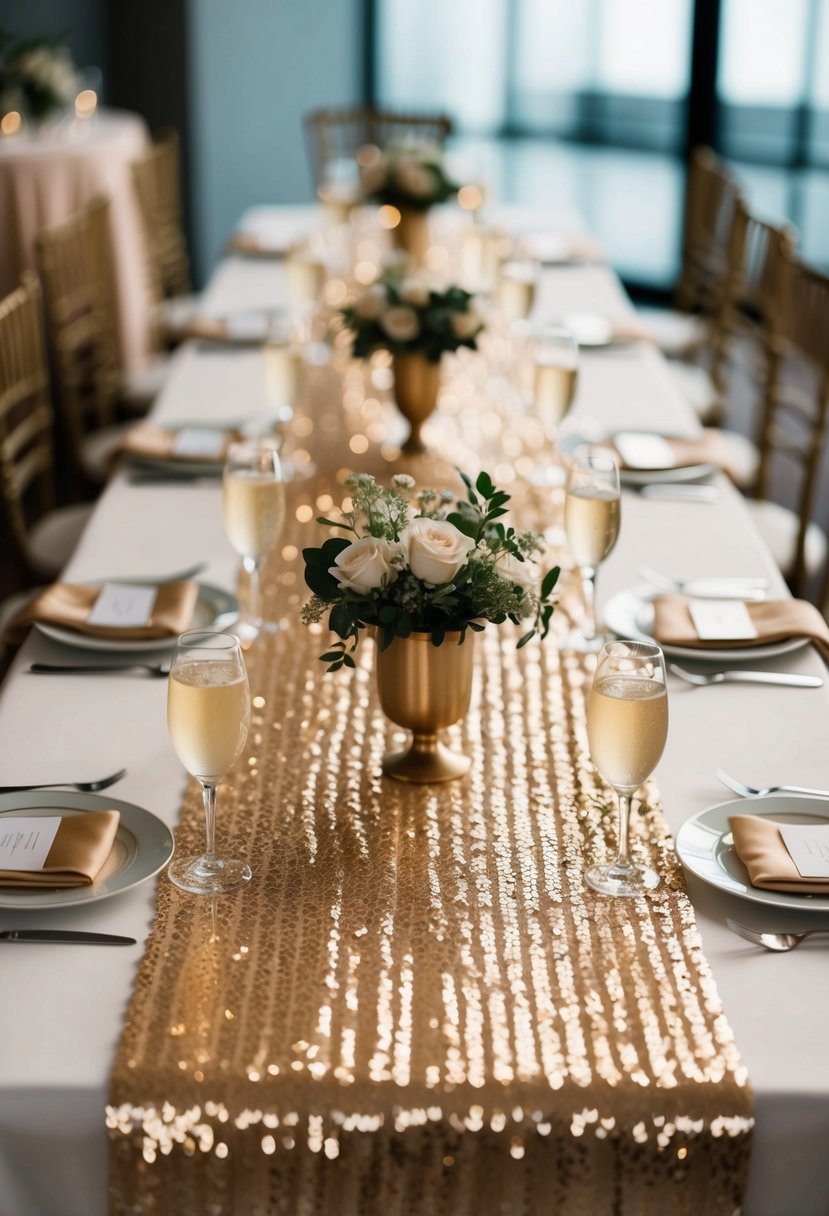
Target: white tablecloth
column 61, row 1009
column 46, row 177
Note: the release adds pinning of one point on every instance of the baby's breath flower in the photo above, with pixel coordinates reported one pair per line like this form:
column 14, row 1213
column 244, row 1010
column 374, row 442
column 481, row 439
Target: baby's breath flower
column 403, row 481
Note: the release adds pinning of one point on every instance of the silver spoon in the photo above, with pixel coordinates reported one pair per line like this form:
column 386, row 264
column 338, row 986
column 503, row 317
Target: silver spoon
column 85, row 787
column 701, row 679
column 748, row 791
column 159, row 670
column 779, row 942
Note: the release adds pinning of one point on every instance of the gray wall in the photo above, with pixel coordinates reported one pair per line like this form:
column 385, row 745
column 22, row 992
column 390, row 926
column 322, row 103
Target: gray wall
column 255, row 68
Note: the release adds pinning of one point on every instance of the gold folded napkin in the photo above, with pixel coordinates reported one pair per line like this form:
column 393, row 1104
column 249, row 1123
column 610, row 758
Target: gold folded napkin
column 80, row 849
column 774, row 620
column 708, row 447
column 69, row 605
column 760, row 848
column 156, row 443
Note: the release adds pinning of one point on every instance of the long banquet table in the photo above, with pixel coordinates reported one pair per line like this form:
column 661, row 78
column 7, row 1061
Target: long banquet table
column 62, row 1010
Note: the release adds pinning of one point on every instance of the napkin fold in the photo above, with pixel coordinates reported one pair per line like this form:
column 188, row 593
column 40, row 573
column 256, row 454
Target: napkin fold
column 155, row 443
column 78, row 853
column 708, row 447
column 774, row 620
column 760, row 848
column 69, row 605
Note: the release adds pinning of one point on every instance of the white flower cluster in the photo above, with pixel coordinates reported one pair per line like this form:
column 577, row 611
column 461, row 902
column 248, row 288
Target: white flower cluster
column 405, row 169
column 433, row 549
column 401, row 321
column 50, row 70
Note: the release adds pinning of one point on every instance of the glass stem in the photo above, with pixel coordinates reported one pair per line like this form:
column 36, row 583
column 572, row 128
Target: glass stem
column 209, row 798
column 622, row 858
column 588, row 582
column 251, row 566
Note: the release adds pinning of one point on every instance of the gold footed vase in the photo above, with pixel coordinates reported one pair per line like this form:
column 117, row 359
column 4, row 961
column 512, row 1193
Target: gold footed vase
column 416, row 387
column 412, row 235
column 425, row 688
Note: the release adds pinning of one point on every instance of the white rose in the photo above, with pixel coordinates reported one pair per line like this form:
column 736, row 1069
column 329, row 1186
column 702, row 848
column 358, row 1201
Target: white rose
column 415, row 292
column 412, row 178
column 466, row 324
column 400, row 323
column 366, row 564
column 371, row 303
column 523, row 574
column 435, row 550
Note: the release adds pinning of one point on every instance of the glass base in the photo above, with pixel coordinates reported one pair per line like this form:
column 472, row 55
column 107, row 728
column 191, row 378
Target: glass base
column 248, row 631
column 611, row 878
column 203, row 876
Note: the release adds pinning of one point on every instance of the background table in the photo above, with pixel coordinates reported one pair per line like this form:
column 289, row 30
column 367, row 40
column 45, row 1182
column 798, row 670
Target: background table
column 60, row 1015
column 47, row 176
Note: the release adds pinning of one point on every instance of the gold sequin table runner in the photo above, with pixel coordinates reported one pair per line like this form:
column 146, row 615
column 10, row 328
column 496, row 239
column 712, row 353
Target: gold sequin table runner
column 417, row 1006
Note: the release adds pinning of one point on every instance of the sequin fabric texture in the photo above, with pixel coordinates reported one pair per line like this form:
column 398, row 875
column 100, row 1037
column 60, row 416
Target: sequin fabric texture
column 417, row 1006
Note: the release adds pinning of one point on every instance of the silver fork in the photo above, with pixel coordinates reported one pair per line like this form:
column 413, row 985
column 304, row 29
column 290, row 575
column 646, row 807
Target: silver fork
column 158, row 670
column 85, row 787
column 779, row 942
column 748, row 791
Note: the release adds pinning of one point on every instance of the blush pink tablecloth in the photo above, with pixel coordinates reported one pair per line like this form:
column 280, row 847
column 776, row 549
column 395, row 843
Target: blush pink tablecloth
column 46, row 176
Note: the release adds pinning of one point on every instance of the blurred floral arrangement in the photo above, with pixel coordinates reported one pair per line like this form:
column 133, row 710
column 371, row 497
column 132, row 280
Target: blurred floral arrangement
column 37, row 76
column 407, row 176
column 434, row 565
column 410, row 316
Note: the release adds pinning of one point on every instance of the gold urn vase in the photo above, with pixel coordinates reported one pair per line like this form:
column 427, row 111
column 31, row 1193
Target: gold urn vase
column 416, row 387
column 425, row 688
column 412, row 235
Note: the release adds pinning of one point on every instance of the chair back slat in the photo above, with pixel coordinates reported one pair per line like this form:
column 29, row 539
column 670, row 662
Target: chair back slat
column 157, row 181
column 26, row 453
column 710, row 200
column 75, row 264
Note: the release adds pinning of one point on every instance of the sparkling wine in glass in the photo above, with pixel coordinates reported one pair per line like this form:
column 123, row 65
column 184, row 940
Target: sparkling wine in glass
column 253, row 501
column 208, row 715
column 516, row 290
column 627, row 725
column 555, row 374
column 283, row 363
column 591, row 522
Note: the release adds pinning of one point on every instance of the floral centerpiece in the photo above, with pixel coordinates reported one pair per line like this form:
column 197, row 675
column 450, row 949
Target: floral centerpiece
column 418, row 323
column 406, row 176
column 411, row 178
column 37, row 76
column 422, row 574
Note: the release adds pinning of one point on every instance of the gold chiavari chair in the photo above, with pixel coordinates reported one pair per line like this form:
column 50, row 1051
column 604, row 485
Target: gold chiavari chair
column 689, row 330
column 157, row 182
column 796, row 402
column 74, row 262
column 335, row 135
column 42, row 536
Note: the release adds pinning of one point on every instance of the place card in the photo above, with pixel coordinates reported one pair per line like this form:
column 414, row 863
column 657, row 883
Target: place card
column 722, row 621
column 199, row 443
column 123, row 606
column 808, row 846
column 642, row 451
column 25, row 841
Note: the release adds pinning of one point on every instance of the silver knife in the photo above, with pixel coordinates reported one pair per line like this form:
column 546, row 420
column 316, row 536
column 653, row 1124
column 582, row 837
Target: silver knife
column 75, row 936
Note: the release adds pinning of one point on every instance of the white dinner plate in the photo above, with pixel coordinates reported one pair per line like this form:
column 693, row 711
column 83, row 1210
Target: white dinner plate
column 143, row 846
column 629, row 614
column 705, row 846
column 215, row 608
column 674, row 476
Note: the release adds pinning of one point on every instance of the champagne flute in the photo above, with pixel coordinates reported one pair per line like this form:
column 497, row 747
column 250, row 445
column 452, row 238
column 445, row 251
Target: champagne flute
column 516, row 291
column 282, row 365
column 253, row 501
column 591, row 522
column 208, row 715
column 555, row 373
column 627, row 725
